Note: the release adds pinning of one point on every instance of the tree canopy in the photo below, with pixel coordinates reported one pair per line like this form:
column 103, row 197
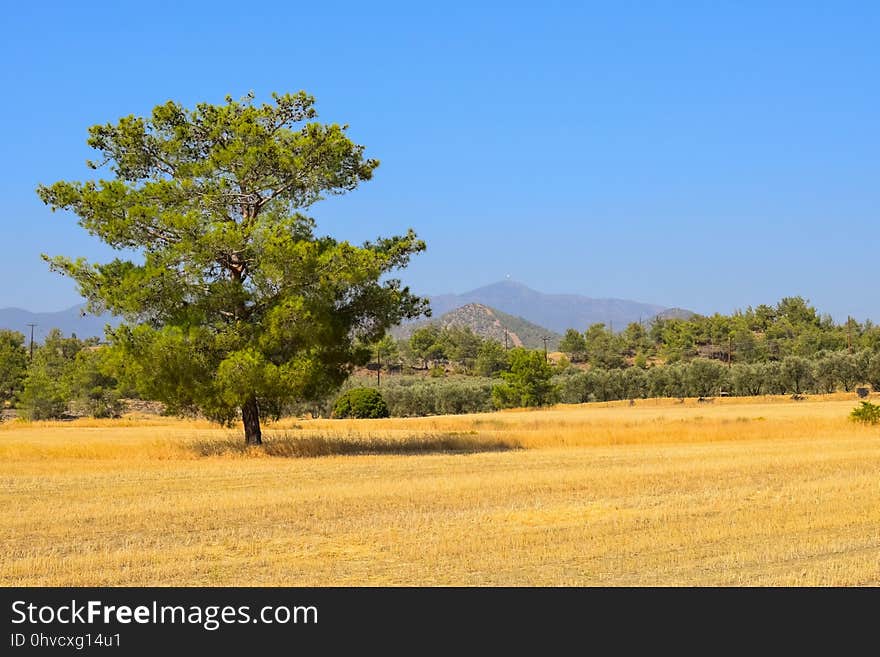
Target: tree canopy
column 236, row 306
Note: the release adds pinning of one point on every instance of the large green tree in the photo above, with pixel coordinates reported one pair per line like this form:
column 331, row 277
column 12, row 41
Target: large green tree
column 236, row 306
column 573, row 345
column 528, row 383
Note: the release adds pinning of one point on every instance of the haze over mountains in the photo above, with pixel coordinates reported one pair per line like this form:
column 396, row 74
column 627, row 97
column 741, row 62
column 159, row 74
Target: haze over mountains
column 490, row 310
column 70, row 320
column 556, row 312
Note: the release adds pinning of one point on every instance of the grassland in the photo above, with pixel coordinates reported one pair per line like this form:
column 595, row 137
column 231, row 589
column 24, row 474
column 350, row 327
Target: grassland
column 755, row 491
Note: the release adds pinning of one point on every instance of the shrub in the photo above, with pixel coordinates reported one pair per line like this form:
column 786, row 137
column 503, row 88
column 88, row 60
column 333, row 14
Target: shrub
column 867, row 413
column 361, row 403
column 418, row 397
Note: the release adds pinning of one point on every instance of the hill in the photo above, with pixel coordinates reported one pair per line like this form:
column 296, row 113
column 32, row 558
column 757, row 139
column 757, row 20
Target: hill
column 557, row 312
column 69, row 320
column 489, row 323
column 676, row 313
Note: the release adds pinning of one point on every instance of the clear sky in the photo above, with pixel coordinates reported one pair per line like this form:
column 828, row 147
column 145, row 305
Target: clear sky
column 709, row 155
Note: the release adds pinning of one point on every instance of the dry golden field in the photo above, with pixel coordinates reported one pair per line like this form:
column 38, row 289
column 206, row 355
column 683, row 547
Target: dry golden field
column 762, row 491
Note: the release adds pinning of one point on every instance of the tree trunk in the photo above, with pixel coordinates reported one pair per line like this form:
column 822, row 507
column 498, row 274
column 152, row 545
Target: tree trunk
column 250, row 417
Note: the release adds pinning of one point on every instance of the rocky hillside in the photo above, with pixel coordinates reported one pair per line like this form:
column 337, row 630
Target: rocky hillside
column 490, row 323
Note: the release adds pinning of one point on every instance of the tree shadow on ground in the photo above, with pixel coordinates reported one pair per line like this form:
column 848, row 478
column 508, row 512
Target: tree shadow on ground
column 297, row 446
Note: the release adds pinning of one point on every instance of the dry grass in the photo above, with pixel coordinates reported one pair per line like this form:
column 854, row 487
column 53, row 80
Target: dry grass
column 757, row 491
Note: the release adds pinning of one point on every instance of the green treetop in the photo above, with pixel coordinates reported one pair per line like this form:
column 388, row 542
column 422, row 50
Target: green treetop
column 236, row 306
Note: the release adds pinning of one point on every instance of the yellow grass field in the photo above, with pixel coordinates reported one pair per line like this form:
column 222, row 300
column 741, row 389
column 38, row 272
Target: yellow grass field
column 760, row 491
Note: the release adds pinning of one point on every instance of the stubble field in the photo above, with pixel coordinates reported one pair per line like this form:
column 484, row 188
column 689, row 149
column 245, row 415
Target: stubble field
column 760, row 491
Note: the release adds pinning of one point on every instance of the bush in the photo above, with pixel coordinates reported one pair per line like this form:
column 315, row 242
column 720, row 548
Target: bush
column 867, row 413
column 408, row 397
column 362, row 403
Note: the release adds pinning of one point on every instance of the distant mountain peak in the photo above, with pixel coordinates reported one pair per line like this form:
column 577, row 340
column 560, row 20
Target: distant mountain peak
column 557, row 312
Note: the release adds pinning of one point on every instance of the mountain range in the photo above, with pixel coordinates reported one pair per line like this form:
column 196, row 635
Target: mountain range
column 70, row 320
column 490, row 310
column 556, row 312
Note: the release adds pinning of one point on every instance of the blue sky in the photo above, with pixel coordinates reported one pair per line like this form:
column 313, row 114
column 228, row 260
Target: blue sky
column 709, row 155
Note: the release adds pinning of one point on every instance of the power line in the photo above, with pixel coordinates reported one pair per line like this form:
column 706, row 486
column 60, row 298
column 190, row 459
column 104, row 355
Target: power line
column 849, row 345
column 32, row 340
column 545, row 338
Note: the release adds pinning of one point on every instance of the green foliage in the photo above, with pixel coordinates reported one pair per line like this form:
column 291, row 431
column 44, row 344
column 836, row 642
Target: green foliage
column 706, row 377
column 456, row 345
column 872, row 371
column 387, row 351
column 604, row 349
column 73, row 376
column 748, row 379
column 461, row 346
column 237, row 303
column 635, row 340
column 417, row 396
column 492, row 359
column 574, row 346
column 45, row 395
column 90, row 386
column 13, row 364
column 866, row 413
column 761, row 334
column 528, row 383
column 796, row 374
column 361, row 403
column 427, row 344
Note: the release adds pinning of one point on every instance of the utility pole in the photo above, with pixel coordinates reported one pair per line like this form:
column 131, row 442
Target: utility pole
column 506, row 343
column 378, row 367
column 32, row 340
column 849, row 334
column 545, row 338
column 729, row 347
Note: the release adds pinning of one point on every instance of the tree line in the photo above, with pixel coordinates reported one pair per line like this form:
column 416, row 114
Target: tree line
column 440, row 370
column 65, row 376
